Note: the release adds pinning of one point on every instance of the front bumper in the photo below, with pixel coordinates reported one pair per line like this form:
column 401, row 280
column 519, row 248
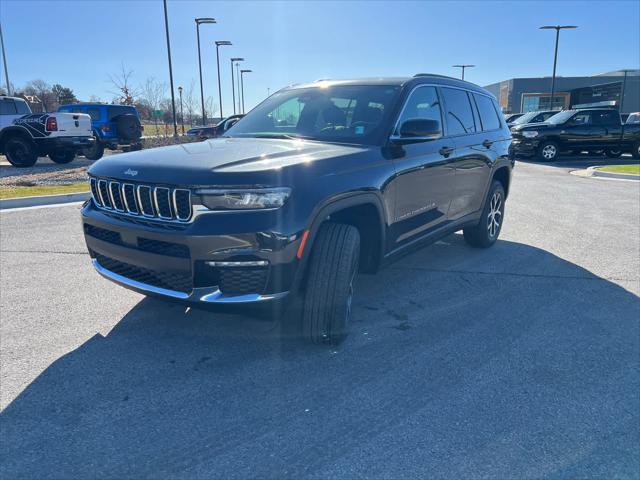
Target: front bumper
column 523, row 146
column 180, row 262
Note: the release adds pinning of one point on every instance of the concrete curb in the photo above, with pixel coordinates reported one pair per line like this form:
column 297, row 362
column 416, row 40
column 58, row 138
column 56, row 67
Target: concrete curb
column 22, row 202
column 621, row 176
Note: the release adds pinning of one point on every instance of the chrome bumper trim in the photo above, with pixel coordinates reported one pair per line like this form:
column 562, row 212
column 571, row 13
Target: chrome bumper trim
column 204, row 295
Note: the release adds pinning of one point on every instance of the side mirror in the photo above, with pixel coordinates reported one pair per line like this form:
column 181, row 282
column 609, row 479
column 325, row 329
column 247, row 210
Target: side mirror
column 417, row 129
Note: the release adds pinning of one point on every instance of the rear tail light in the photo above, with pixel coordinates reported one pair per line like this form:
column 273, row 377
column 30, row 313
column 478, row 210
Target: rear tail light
column 52, row 124
column 142, row 128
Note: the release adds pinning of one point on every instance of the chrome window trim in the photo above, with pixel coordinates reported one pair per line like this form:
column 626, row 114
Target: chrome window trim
column 175, row 204
column 144, row 214
column 155, row 202
column 110, row 190
column 126, row 203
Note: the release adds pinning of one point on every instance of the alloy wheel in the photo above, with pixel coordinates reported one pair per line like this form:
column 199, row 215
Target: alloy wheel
column 494, row 218
column 549, row 152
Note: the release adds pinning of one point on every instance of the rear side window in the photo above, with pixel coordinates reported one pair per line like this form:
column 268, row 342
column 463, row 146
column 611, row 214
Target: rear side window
column 94, row 113
column 424, row 104
column 22, row 107
column 459, row 114
column 7, row 107
column 606, row 118
column 488, row 115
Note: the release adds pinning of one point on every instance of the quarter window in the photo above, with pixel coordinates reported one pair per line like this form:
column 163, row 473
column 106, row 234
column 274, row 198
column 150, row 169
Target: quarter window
column 488, row 115
column 7, row 107
column 424, row 104
column 459, row 114
column 94, row 113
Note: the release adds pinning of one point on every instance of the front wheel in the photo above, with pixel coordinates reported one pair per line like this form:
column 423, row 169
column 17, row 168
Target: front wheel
column 486, row 232
column 62, row 156
column 636, row 151
column 548, row 151
column 613, row 153
column 333, row 267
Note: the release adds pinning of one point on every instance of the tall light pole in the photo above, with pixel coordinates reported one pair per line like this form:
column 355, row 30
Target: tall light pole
column 4, row 59
column 173, row 98
column 198, row 22
column 463, row 68
column 242, row 72
column 238, row 80
column 181, row 110
column 557, row 28
column 233, row 87
column 219, row 44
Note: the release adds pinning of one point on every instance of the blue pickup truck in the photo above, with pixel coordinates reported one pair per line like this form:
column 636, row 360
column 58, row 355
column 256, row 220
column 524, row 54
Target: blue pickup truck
column 114, row 127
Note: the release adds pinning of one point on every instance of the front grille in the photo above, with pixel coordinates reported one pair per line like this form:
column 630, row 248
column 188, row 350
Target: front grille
column 162, row 203
column 169, row 281
column 163, row 248
column 243, row 280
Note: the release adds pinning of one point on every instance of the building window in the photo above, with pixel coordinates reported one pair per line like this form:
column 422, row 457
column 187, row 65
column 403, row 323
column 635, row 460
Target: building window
column 532, row 102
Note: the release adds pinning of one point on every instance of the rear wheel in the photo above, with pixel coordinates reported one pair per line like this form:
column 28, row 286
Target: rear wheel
column 548, row 151
column 486, row 232
column 62, row 156
column 333, row 267
column 636, row 151
column 20, row 152
column 95, row 151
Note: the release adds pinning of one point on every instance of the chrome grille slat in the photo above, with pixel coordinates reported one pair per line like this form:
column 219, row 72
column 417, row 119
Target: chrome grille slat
column 155, row 202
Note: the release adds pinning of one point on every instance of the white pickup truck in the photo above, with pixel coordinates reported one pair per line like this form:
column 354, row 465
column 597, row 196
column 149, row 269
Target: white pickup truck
column 24, row 136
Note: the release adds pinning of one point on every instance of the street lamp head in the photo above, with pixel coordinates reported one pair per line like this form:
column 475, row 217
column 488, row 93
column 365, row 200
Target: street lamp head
column 223, row 42
column 237, row 59
column 205, row 20
column 180, row 89
column 461, row 66
column 557, row 27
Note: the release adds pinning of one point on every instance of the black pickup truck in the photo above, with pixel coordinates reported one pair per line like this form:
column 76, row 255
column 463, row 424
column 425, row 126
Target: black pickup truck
column 574, row 131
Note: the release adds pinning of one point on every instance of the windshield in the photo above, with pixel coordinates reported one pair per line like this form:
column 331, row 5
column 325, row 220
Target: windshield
column 561, row 117
column 342, row 113
column 526, row 118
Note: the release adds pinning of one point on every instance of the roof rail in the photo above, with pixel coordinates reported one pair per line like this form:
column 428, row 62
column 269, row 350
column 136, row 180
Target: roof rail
column 434, row 75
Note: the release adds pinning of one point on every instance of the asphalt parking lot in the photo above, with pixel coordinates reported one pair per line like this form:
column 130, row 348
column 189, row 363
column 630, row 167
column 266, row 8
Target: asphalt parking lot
column 520, row 361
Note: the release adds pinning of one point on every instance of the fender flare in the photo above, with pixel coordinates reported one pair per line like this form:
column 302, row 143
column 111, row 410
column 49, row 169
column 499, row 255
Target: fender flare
column 15, row 128
column 323, row 212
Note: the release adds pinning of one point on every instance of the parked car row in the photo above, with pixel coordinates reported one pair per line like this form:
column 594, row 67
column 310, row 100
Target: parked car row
column 214, row 131
column 574, row 131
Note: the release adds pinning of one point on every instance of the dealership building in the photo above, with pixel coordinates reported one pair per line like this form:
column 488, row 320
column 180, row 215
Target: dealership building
column 605, row 89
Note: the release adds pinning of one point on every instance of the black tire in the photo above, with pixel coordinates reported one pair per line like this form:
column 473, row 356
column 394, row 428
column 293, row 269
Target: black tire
column 136, row 147
column 548, row 151
column 333, row 268
column 20, row 152
column 486, row 232
column 128, row 128
column 635, row 151
column 612, row 153
column 62, row 156
column 95, row 152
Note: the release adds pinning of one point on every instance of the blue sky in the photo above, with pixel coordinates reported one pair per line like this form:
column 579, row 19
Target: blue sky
column 78, row 43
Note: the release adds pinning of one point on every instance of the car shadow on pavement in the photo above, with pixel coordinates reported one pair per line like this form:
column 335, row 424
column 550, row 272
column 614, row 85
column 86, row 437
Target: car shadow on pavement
column 461, row 363
column 577, row 162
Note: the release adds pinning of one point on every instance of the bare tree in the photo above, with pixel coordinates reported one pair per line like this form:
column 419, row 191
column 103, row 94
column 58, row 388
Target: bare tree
column 42, row 90
column 153, row 94
column 211, row 107
column 121, row 81
column 189, row 101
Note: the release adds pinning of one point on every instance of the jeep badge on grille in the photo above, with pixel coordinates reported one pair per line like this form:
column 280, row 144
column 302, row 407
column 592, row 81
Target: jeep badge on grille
column 133, row 173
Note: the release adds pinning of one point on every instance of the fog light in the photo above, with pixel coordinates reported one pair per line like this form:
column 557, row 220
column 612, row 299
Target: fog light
column 253, row 263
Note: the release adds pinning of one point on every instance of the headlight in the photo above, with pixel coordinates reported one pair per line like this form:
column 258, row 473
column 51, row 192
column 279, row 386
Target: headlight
column 529, row 133
column 241, row 199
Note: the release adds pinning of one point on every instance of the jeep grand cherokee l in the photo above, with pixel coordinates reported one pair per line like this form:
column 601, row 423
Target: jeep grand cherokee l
column 317, row 183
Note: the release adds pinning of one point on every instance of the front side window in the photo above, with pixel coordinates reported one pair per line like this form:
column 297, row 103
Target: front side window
column 341, row 113
column 423, row 103
column 582, row 118
column 488, row 115
column 459, row 114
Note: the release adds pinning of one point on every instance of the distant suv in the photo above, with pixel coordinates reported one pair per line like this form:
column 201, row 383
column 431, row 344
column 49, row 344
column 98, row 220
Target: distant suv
column 114, row 127
column 572, row 131
column 25, row 136
column 532, row 117
column 213, row 131
column 317, row 183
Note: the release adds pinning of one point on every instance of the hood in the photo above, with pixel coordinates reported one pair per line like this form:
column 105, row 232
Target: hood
column 531, row 126
column 200, row 163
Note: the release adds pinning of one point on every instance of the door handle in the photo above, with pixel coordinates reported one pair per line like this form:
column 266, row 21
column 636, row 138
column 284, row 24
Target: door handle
column 445, row 151
column 487, row 143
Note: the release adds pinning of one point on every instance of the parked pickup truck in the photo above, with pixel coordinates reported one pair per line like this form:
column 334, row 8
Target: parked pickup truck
column 574, row 131
column 25, row 136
